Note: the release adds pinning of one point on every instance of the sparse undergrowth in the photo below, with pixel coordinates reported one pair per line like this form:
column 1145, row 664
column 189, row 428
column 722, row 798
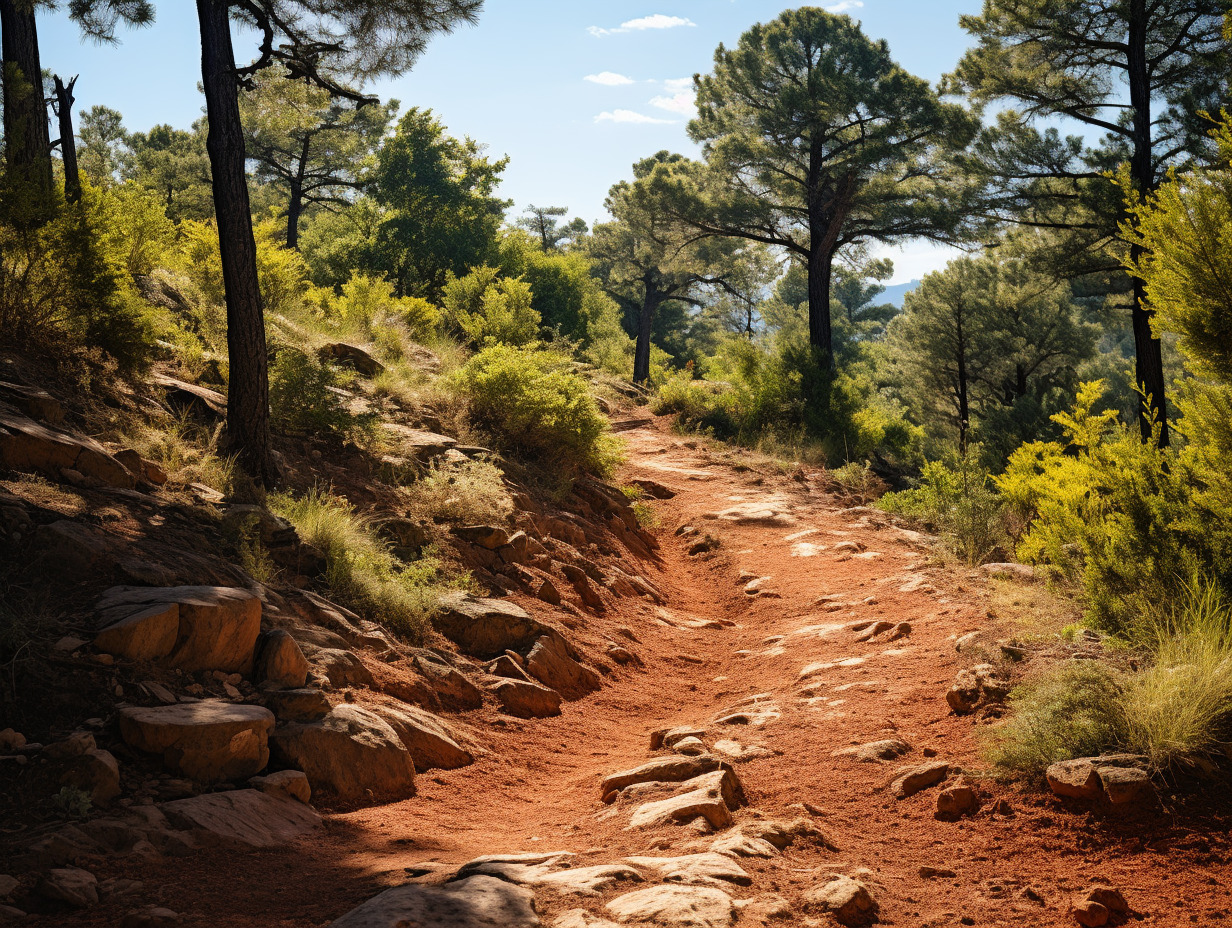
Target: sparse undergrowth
column 361, row 571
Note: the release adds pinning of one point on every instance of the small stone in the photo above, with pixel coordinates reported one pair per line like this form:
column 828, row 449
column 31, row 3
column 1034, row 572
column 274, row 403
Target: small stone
column 292, row 783
column 1109, row 897
column 151, row 917
column 1091, row 914
column 956, row 801
column 919, row 778
column 937, row 873
column 690, row 747
column 847, row 900
column 69, row 643
column 8, row 885
column 11, row 740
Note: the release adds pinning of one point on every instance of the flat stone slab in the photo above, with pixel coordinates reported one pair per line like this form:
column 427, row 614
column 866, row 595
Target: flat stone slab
column 475, row 902
column 694, row 869
column 675, row 906
column 910, row 782
column 662, row 770
column 208, row 741
column 248, row 816
column 876, row 751
column 711, row 796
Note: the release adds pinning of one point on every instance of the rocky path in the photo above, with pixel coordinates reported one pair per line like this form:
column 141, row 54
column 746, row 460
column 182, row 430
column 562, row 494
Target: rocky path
column 781, row 752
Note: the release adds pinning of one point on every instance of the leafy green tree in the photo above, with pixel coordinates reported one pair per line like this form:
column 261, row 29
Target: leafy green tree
column 542, row 222
column 103, row 152
column 565, row 291
column 815, row 139
column 313, row 148
column 174, row 164
column 650, row 257
column 1138, row 71
column 441, row 212
column 988, row 344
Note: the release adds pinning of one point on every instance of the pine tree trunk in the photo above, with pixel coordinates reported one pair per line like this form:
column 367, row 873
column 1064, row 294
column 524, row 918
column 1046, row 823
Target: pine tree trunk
column 68, row 142
column 295, row 207
column 1148, row 353
column 248, row 383
column 27, row 140
column 820, row 332
column 645, row 323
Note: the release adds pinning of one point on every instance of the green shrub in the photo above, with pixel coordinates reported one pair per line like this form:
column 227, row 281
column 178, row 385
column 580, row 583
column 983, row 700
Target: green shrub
column 490, row 309
column 533, row 406
column 467, row 492
column 63, row 285
column 1074, row 710
column 302, row 397
column 361, row 572
column 956, row 501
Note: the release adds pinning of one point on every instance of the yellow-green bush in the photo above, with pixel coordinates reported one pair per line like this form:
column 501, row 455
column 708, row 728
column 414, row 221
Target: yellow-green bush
column 533, row 406
column 302, row 397
column 490, row 309
column 468, row 492
column 63, row 284
column 956, row 500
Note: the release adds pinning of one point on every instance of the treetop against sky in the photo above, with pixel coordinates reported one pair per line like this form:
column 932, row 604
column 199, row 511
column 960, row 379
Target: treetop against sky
column 574, row 92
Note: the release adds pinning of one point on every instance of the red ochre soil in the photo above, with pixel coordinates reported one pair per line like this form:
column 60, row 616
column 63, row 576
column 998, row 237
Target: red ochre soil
column 538, row 787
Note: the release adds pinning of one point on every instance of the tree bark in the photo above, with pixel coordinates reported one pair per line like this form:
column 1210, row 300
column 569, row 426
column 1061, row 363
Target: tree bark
column 68, row 142
column 645, row 323
column 820, row 331
column 295, row 207
column 1148, row 353
column 27, row 139
column 248, row 431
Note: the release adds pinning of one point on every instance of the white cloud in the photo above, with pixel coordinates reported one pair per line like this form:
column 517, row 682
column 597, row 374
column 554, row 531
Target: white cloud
column 844, row 5
column 676, row 103
column 629, row 116
column 678, row 84
column 608, row 79
column 657, row 21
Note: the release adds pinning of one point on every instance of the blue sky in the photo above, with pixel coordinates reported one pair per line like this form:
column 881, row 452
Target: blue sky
column 574, row 91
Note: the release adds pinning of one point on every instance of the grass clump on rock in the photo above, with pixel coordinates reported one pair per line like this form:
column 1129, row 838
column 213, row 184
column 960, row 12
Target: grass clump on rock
column 361, row 572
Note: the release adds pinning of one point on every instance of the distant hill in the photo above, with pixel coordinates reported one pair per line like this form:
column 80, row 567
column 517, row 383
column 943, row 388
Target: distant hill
column 895, row 292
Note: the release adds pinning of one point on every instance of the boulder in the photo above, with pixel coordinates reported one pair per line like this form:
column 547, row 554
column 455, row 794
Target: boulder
column 526, row 700
column 910, row 782
column 675, row 907
column 451, row 686
column 580, row 918
column 954, row 802
column 147, row 634
column 96, row 772
column 217, row 626
column 280, row 662
column 848, row 901
column 298, row 705
column 759, row 838
column 487, row 628
column 29, row 446
column 420, row 444
column 712, row 796
column 1074, row 779
column 709, row 868
column 550, row 663
column 74, row 549
column 35, row 403
column 352, row 753
column 207, row 741
column 548, row 593
column 475, row 902
column 341, row 668
column 876, row 751
column 589, row 881
column 198, row 401
column 1126, row 785
column 429, row 740
column 351, row 356
column 485, row 536
column 1091, row 914
column 290, row 784
column 245, row 816
column 69, row 886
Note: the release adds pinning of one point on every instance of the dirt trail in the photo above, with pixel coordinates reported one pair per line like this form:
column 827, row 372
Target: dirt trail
column 708, row 651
